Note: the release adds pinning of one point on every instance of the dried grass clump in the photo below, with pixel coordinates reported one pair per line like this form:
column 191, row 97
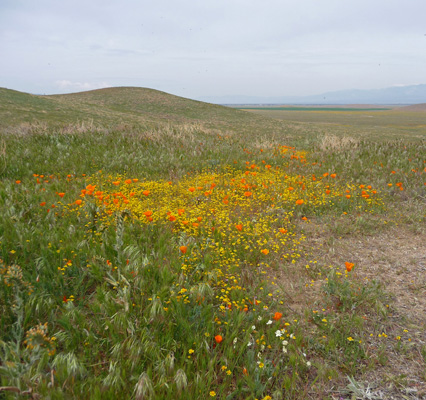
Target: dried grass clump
column 27, row 128
column 333, row 142
column 81, row 128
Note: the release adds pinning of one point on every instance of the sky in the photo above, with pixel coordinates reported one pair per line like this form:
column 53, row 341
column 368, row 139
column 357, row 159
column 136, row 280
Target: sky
column 212, row 47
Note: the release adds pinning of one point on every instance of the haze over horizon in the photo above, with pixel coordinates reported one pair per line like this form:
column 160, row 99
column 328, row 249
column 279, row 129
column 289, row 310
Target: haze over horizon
column 213, row 48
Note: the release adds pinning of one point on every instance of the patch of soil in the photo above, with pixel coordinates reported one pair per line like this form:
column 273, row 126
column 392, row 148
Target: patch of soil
column 397, row 259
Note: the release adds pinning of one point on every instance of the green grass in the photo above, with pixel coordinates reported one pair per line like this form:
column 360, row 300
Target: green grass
column 97, row 301
column 372, row 125
column 318, row 109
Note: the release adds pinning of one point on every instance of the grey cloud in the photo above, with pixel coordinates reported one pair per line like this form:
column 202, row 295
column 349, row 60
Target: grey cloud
column 213, row 47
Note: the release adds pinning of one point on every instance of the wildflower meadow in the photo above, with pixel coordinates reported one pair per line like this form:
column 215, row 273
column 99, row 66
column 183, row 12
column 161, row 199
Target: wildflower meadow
column 185, row 261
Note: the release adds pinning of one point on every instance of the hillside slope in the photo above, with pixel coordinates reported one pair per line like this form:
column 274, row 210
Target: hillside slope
column 415, row 107
column 129, row 105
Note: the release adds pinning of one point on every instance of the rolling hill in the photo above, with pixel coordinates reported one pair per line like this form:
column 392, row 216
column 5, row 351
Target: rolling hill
column 112, row 106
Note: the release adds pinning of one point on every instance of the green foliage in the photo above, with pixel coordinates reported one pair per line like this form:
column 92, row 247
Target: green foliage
column 94, row 301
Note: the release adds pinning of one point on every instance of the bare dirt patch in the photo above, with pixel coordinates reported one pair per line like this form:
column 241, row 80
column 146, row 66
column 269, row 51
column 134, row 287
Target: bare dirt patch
column 396, row 258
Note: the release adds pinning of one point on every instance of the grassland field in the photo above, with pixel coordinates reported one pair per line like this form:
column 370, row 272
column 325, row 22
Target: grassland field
column 155, row 247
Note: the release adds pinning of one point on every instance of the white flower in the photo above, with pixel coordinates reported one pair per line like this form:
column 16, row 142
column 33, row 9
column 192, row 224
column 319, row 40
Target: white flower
column 235, row 340
column 253, row 327
column 278, row 333
column 285, row 343
column 284, row 349
column 269, row 322
column 308, row 364
column 249, row 344
column 259, row 318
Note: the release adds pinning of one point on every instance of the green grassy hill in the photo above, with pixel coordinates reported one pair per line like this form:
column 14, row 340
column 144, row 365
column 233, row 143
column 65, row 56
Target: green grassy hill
column 129, row 105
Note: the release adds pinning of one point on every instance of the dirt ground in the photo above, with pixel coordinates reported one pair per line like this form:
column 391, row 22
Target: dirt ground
column 396, row 257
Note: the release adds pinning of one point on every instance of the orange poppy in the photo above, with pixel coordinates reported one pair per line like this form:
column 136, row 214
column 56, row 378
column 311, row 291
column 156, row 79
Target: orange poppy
column 277, row 316
column 349, row 266
column 61, row 194
column 128, row 181
column 218, row 338
column 264, row 251
column 299, row 202
column 247, row 194
column 146, row 192
column 78, row 202
column 191, row 189
column 148, row 213
column 239, row 227
column 183, row 249
column 116, row 183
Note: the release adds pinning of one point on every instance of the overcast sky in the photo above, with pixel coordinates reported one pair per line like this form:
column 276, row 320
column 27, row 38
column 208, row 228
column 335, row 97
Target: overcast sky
column 196, row 48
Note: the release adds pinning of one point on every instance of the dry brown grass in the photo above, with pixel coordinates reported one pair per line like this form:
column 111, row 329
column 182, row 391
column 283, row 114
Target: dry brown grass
column 339, row 143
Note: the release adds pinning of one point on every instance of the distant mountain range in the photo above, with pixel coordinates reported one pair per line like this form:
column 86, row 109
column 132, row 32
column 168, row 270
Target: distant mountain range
column 393, row 95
